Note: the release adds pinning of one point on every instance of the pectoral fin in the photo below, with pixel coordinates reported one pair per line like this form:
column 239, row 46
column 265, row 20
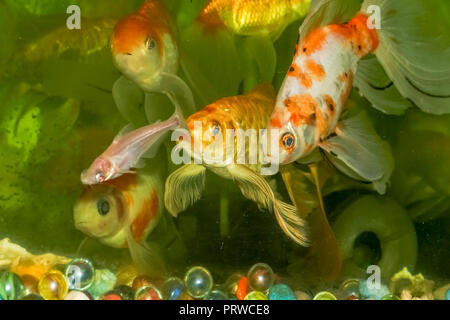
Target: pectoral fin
column 184, row 187
column 358, row 151
column 129, row 99
column 254, row 187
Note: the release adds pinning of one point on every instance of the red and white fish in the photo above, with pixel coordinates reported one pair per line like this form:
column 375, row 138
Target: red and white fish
column 328, row 61
column 121, row 213
column 126, row 151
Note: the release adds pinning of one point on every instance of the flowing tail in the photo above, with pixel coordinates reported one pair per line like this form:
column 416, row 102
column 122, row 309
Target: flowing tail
column 412, row 52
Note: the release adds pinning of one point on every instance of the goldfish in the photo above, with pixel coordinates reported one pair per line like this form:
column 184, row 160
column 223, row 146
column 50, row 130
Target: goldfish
column 126, row 151
column 145, row 50
column 253, row 17
column 328, row 60
column 122, row 212
column 209, row 128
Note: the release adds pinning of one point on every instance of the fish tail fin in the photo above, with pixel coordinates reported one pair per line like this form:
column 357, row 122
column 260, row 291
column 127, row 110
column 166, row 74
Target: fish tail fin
column 291, row 223
column 147, row 257
column 413, row 53
column 254, row 187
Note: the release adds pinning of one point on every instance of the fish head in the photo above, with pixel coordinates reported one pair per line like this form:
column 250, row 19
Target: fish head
column 209, row 129
column 288, row 137
column 101, row 170
column 136, row 49
column 100, row 211
column 142, row 46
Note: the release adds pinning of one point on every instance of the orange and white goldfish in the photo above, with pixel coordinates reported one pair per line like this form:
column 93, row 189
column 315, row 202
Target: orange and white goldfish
column 126, row 151
column 122, row 212
column 144, row 49
column 209, row 129
column 328, row 61
column 253, row 17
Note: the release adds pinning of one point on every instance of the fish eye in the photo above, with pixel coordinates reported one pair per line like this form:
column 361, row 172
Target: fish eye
column 150, row 43
column 288, row 140
column 215, row 129
column 99, row 177
column 102, row 207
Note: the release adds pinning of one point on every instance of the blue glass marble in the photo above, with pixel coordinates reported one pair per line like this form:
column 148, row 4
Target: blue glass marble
column 11, row 287
column 281, row 292
column 198, row 282
column 375, row 292
column 173, row 289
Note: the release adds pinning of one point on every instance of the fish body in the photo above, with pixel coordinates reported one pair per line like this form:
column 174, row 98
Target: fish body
column 126, row 152
column 239, row 113
column 253, row 17
column 143, row 45
column 318, row 83
column 130, row 205
column 145, row 50
column 208, row 129
column 330, row 58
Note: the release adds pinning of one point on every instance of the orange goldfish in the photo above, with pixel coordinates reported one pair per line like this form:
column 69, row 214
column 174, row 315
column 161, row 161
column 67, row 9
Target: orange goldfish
column 328, row 60
column 144, row 49
column 253, row 17
column 210, row 130
column 121, row 213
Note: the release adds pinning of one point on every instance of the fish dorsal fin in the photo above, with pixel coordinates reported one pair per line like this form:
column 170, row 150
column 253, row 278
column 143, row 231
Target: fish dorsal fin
column 125, row 130
column 325, row 12
column 265, row 90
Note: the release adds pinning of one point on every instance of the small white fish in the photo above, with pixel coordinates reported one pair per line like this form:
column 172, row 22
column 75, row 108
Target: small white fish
column 126, row 151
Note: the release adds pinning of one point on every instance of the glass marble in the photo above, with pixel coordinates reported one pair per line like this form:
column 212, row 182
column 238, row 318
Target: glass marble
column 260, row 277
column 216, row 295
column 198, row 282
column 256, row 295
column 447, row 295
column 302, row 295
column 32, row 296
column 242, row 288
column 126, row 292
column 141, row 281
column 77, row 295
column 80, row 274
column 173, row 289
column 325, row 295
column 350, row 288
column 53, row 285
column 281, row 291
column 148, row 292
column 11, row 287
column 30, row 284
column 112, row 295
column 231, row 285
column 104, row 281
